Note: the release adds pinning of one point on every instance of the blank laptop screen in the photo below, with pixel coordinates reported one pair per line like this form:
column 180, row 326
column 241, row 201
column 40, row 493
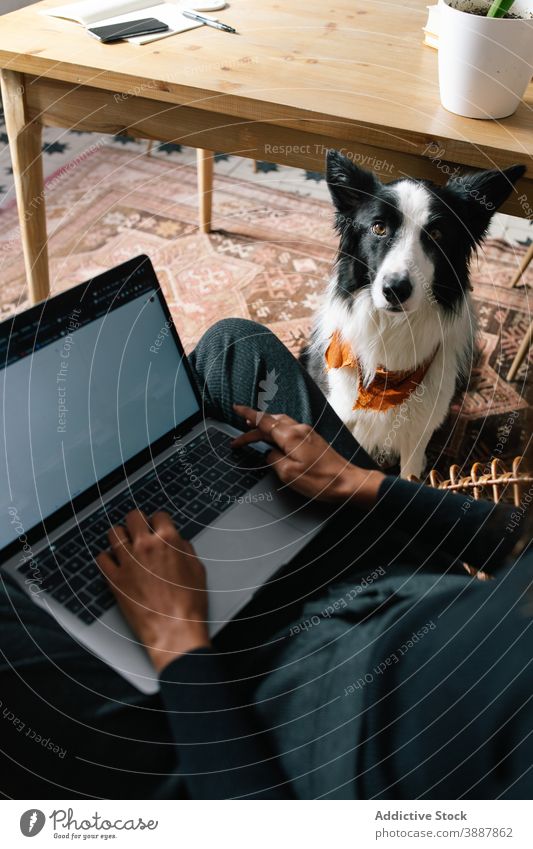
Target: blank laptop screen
column 85, row 402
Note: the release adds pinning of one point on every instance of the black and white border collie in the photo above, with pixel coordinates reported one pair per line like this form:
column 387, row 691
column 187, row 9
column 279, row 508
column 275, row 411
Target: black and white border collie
column 397, row 327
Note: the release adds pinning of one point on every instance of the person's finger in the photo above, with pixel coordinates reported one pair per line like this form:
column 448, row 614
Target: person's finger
column 247, row 413
column 118, row 538
column 111, row 570
column 108, row 566
column 283, row 433
column 137, row 524
column 120, row 544
column 275, row 432
column 274, row 457
column 164, row 527
column 162, row 519
column 260, row 419
column 278, row 429
column 284, row 468
column 250, row 436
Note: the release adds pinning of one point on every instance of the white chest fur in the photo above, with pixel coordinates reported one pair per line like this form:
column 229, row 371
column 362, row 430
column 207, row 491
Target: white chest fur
column 398, row 343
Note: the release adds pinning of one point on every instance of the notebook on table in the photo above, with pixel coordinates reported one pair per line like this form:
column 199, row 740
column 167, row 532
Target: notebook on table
column 99, row 13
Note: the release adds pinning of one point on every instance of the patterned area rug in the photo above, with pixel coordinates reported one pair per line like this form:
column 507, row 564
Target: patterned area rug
column 267, row 259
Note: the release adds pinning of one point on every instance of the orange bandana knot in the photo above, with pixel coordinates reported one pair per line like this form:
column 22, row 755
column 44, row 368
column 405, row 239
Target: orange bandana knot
column 387, row 389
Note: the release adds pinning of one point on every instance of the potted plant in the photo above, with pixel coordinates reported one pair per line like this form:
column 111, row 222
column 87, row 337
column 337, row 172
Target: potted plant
column 485, row 55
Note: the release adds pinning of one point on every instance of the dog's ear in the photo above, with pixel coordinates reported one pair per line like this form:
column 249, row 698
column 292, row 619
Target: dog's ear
column 484, row 192
column 348, row 184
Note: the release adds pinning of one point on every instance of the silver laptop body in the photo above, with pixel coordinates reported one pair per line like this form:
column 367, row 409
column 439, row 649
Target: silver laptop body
column 101, row 414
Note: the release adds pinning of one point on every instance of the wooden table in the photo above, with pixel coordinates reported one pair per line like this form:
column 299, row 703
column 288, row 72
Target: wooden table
column 302, row 76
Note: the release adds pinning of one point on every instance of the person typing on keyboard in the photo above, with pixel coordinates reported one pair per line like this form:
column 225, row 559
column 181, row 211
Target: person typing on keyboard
column 360, row 670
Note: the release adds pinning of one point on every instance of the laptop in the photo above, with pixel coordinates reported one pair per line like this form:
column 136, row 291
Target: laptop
column 102, row 415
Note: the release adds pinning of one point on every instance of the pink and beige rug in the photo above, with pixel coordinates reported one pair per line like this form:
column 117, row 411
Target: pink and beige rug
column 267, row 259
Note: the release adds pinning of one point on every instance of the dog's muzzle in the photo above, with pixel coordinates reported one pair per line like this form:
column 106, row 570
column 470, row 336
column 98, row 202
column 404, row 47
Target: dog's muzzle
column 396, row 290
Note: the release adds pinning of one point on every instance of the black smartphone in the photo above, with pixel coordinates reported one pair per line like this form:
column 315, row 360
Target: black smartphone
column 115, row 32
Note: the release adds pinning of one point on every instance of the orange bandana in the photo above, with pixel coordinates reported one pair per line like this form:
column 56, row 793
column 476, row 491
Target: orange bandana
column 387, row 389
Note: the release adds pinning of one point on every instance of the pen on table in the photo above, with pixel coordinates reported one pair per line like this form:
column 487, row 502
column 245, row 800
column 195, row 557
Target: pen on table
column 210, row 22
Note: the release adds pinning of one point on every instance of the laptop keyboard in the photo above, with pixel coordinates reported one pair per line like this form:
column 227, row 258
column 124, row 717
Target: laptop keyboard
column 196, row 484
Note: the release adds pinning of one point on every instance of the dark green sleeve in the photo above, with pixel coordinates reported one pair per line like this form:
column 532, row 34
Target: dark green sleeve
column 478, row 532
column 222, row 752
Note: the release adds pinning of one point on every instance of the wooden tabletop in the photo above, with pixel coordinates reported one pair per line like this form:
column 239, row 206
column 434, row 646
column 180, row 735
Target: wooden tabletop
column 358, row 67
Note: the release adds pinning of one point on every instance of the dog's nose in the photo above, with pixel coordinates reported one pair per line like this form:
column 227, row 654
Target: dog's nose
column 397, row 289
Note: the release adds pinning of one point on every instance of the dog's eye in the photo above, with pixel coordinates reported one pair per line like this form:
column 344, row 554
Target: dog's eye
column 435, row 234
column 379, row 229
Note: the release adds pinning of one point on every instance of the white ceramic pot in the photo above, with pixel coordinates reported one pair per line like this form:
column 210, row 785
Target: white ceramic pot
column 485, row 64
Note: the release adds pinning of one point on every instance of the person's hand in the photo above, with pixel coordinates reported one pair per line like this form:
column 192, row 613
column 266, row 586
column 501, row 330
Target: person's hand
column 303, row 459
column 159, row 584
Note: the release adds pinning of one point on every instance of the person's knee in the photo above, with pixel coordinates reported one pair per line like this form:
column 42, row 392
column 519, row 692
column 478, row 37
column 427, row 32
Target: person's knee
column 229, row 332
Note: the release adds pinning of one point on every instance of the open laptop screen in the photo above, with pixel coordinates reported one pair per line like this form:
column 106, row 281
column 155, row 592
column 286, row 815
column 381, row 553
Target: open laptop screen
column 86, row 384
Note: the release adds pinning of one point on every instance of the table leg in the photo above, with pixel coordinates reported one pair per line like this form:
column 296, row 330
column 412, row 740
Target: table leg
column 526, row 259
column 25, row 138
column 205, row 164
column 522, row 352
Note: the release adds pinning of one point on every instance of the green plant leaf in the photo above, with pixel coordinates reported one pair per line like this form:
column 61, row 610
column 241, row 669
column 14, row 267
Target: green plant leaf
column 499, row 8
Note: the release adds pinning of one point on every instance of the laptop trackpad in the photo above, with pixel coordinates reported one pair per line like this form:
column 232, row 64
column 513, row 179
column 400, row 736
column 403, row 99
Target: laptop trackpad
column 241, row 551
